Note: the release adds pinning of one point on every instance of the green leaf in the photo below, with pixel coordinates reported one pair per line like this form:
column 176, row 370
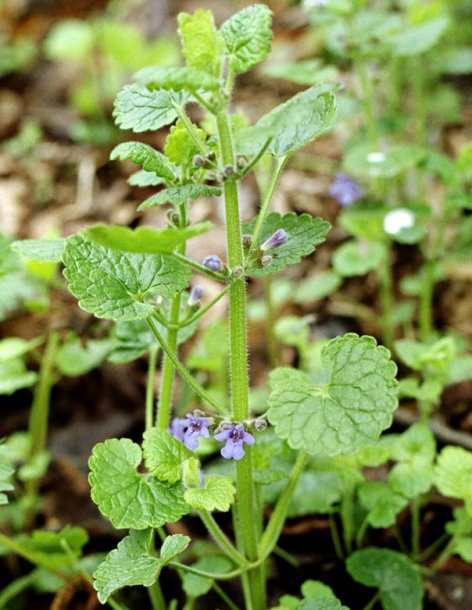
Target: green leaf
column 6, row 471
column 217, row 493
column 304, row 233
column 15, row 376
column 176, row 79
column 142, row 178
column 42, row 250
column 202, row 44
column 397, row 578
column 179, row 195
column 417, row 39
column 133, row 562
column 141, row 109
column 164, row 455
column 15, row 347
column 196, row 586
column 453, row 473
column 362, row 161
column 350, row 411
column 74, row 359
column 291, row 125
column 356, row 258
column 316, row 287
column 127, row 498
column 48, row 547
column 180, row 147
column 113, row 285
column 150, row 159
column 247, row 36
column 145, row 240
column 133, row 338
column 382, row 503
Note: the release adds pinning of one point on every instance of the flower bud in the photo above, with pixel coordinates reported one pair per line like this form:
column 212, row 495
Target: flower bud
column 237, row 271
column 195, row 295
column 199, row 161
column 275, row 240
column 213, row 262
column 259, row 425
column 265, row 260
column 247, row 241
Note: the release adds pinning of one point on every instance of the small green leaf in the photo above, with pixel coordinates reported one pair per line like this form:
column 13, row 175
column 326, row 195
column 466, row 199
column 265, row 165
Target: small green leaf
column 113, row 284
column 362, row 161
column 417, row 39
column 180, row 147
column 133, row 562
column 356, row 258
column 145, row 240
column 291, row 125
column 382, row 503
column 179, row 195
column 164, row 455
column 14, row 376
column 350, row 411
column 74, row 359
column 397, row 578
column 143, row 179
column 150, row 159
column 42, row 250
column 453, row 473
column 317, row 287
column 127, row 498
column 141, row 109
column 15, row 347
column 202, row 45
column 247, row 36
column 304, row 233
column 217, row 493
column 48, row 547
column 196, row 586
column 176, row 79
column 6, row 471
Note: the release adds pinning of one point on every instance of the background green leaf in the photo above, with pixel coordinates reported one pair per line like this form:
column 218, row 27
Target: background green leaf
column 142, row 154
column 180, row 194
column 202, row 44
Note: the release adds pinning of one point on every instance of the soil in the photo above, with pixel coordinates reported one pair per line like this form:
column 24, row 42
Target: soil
column 63, row 186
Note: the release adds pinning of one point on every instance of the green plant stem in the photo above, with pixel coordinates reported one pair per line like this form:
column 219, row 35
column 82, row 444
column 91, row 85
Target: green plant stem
column 155, row 595
column 151, row 373
column 221, row 540
column 415, row 527
column 462, row 527
column 219, row 277
column 420, row 127
column 203, row 310
column 386, row 299
column 184, row 373
column 372, row 602
column 39, row 416
column 335, row 536
column 228, row 601
column 280, row 164
column 270, row 323
column 367, row 91
column 276, row 522
column 247, row 502
column 31, row 556
column 168, row 368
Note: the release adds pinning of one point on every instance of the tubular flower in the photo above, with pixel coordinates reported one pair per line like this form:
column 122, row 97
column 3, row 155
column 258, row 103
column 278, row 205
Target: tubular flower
column 234, row 435
column 275, row 240
column 345, row 190
column 196, row 426
column 213, row 262
column 178, row 426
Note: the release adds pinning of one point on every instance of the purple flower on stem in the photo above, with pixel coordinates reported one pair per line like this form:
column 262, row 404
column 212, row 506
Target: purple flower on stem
column 195, row 295
column 178, row 426
column 196, row 426
column 275, row 240
column 234, row 435
column 213, row 262
column 345, row 190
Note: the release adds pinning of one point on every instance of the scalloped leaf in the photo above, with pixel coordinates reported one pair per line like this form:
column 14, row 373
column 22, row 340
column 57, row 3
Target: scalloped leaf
column 397, row 577
column 41, row 250
column 164, row 455
column 202, row 44
column 346, row 413
column 127, row 498
column 176, row 79
column 142, row 154
column 382, row 503
column 132, row 564
column 112, row 284
column 141, row 109
column 217, row 493
column 291, row 125
column 304, row 233
column 453, row 473
column 180, row 147
column 6, row 471
column 247, row 36
column 180, row 194
column 145, row 240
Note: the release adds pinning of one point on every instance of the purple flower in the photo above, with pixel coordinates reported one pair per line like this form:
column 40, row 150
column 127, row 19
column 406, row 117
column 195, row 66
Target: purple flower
column 235, row 436
column 177, row 428
column 275, row 240
column 196, row 426
column 213, row 262
column 345, row 190
column 195, row 295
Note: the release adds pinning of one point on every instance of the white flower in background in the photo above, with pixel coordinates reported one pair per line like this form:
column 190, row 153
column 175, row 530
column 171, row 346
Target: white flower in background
column 376, row 157
column 399, row 219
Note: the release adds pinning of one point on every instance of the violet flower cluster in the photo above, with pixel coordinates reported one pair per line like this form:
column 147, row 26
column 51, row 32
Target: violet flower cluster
column 189, row 429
